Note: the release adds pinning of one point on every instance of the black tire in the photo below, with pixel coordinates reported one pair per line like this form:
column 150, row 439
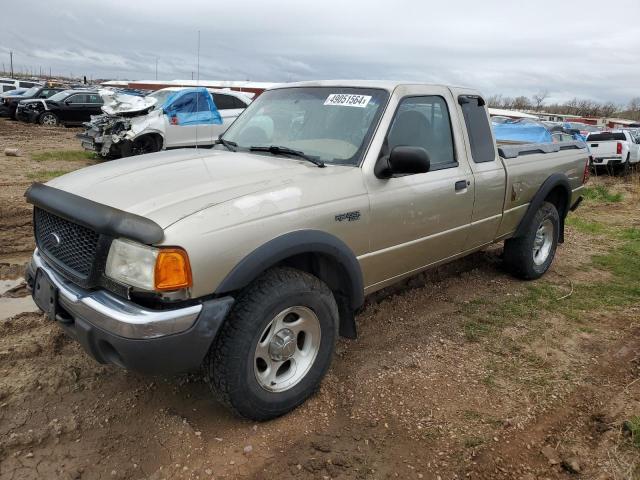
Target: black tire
column 519, row 252
column 626, row 167
column 229, row 365
column 49, row 119
column 145, row 144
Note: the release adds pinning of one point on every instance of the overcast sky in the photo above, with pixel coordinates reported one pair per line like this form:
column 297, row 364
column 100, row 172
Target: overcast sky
column 586, row 49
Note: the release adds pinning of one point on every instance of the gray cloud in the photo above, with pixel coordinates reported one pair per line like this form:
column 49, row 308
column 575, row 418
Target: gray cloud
column 585, row 49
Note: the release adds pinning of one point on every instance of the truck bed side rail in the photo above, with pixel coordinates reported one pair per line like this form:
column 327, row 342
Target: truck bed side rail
column 517, row 150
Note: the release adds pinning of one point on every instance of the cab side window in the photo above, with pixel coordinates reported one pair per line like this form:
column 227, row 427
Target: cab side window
column 76, row 99
column 424, row 122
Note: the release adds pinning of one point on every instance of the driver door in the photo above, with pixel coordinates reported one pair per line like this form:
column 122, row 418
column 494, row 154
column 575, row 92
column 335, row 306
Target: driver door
column 419, row 219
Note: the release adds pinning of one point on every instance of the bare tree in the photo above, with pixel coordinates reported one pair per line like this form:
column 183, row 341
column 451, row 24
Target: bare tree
column 539, row 98
column 495, row 101
column 608, row 109
column 521, row 103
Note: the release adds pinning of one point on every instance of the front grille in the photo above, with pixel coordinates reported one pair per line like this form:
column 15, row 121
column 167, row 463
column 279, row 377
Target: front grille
column 72, row 246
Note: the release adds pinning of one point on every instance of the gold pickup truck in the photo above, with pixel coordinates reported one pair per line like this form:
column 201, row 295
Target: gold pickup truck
column 249, row 259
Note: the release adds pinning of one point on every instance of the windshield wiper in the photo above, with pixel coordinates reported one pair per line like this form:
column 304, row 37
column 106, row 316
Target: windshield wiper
column 227, row 143
column 278, row 150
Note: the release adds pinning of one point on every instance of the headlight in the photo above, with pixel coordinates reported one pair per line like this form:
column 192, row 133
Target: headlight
column 148, row 268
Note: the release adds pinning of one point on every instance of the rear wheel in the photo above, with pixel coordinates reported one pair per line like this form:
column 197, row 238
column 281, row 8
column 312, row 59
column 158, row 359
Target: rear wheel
column 626, row 167
column 276, row 345
column 530, row 255
column 49, row 119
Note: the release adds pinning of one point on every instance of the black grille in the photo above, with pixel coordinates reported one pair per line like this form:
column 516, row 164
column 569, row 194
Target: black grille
column 72, row 246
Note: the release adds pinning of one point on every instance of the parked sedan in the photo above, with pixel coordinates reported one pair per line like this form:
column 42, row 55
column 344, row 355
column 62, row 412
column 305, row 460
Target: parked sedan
column 70, row 107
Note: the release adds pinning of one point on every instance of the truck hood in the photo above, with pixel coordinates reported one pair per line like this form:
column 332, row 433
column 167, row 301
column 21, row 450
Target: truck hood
column 171, row 185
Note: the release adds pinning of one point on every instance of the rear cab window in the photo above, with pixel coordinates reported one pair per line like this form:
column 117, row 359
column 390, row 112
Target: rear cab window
column 606, row 136
column 480, row 137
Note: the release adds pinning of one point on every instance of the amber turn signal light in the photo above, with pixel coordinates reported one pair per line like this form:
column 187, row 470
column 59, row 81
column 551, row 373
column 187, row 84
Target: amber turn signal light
column 173, row 270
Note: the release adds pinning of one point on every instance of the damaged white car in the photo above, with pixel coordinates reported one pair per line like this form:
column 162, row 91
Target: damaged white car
column 168, row 118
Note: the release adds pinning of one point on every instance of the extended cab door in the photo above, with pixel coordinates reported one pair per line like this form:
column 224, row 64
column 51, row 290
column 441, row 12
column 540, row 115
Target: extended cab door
column 488, row 170
column 419, row 219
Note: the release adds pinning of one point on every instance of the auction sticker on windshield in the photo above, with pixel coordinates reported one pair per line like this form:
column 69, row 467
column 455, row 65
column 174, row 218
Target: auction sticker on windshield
column 348, row 100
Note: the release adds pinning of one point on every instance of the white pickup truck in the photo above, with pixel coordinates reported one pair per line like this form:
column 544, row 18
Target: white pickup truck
column 614, row 149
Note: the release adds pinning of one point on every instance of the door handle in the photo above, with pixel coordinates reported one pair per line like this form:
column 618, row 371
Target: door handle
column 462, row 184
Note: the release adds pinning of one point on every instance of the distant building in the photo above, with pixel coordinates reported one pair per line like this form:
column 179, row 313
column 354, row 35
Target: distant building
column 252, row 89
column 500, row 112
column 620, row 123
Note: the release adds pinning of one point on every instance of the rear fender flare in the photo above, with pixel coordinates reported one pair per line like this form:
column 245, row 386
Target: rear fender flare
column 557, row 180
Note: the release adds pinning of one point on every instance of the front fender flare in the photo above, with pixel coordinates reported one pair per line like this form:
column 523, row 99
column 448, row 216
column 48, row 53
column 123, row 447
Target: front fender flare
column 296, row 243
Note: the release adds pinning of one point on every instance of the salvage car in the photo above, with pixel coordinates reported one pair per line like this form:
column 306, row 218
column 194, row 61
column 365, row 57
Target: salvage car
column 68, row 107
column 37, row 92
column 251, row 258
column 168, row 118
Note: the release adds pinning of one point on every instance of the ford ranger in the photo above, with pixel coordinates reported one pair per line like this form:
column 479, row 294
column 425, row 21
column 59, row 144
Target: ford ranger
column 251, row 258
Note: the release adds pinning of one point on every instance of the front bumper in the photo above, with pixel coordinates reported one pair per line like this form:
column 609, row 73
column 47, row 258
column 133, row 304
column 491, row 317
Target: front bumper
column 21, row 114
column 117, row 331
column 29, row 116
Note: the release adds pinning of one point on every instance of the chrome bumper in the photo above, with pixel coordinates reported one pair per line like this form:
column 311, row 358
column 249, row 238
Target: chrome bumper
column 115, row 315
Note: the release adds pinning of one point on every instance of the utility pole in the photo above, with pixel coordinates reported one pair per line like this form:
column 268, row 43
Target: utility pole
column 11, row 59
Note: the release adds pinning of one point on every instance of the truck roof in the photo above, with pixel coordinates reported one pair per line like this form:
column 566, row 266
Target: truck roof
column 389, row 85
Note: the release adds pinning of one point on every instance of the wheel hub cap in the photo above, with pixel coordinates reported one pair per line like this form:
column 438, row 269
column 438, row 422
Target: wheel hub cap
column 543, row 242
column 287, row 349
column 282, row 345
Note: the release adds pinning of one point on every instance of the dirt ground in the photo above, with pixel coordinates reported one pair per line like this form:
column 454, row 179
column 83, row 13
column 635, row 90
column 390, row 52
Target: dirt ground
column 462, row 372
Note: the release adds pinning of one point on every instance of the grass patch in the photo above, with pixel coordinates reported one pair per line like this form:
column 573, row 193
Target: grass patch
column 541, row 298
column 630, row 234
column 600, row 193
column 47, row 174
column 64, row 155
column 585, row 226
column 632, row 427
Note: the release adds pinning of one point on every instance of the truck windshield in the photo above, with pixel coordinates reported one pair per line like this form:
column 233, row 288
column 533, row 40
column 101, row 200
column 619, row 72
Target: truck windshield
column 331, row 124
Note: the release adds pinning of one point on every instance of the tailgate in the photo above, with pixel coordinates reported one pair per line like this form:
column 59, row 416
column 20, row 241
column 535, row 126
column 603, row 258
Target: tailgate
column 602, row 149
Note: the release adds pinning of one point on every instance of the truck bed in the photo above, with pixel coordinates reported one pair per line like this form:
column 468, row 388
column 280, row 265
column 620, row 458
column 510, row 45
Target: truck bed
column 528, row 165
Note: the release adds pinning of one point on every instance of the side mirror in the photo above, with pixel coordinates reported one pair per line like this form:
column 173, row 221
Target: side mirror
column 403, row 160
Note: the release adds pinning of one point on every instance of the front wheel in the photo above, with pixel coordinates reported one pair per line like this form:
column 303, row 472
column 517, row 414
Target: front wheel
column 276, row 345
column 49, row 119
column 530, row 255
column 145, row 144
